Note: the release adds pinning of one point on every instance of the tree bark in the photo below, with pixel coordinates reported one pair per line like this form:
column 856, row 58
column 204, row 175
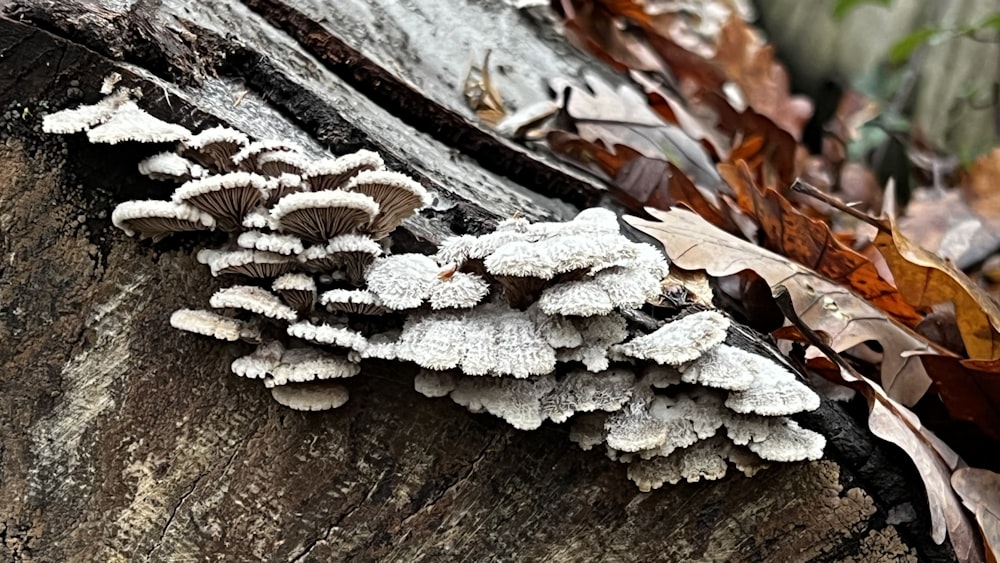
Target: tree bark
column 123, row 439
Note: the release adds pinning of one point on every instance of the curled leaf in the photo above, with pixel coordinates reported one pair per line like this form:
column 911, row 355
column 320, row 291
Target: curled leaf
column 980, row 491
column 693, row 243
column 926, row 280
column 894, row 423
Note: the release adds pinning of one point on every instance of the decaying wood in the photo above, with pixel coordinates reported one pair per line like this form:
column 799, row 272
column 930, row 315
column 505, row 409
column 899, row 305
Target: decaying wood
column 123, row 439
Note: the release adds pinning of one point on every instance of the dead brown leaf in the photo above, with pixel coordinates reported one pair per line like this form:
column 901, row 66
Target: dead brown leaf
column 810, row 243
column 925, row 280
column 749, row 63
column 598, row 111
column 482, row 95
column 693, row 243
column 969, row 389
column 980, row 491
column 894, row 423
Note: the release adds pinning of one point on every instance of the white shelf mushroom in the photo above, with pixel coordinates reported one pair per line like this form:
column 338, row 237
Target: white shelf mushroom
column 333, row 173
column 319, row 216
column 310, row 396
column 246, row 158
column 215, row 147
column 84, row 117
column 227, row 197
column 210, row 324
column 359, row 301
column 253, row 299
column 297, row 289
column 300, row 365
column 261, row 362
column 679, row 341
column 398, row 196
column 170, row 166
column 250, row 263
column 129, row 123
column 287, row 245
column 157, row 219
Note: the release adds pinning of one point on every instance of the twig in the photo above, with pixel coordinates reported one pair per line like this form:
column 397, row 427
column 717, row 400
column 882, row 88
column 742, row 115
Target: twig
column 814, row 192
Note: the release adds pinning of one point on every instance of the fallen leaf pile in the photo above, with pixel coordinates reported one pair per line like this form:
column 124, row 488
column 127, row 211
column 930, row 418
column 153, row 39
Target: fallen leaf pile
column 708, row 140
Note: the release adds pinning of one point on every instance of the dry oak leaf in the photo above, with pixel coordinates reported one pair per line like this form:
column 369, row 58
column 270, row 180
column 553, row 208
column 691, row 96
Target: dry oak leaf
column 894, row 423
column 619, row 115
column 980, row 492
column 749, row 62
column 925, row 280
column 810, row 243
column 969, row 389
column 692, row 243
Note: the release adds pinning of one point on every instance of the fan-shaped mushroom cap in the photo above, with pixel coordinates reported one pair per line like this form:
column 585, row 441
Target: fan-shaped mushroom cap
column 382, row 345
column 261, row 362
column 518, row 401
column 584, row 298
column 251, row 263
column 360, row 301
column 398, row 196
column 658, row 425
column 215, row 147
column 310, row 396
column 276, row 163
column 679, row 341
column 270, row 242
column 318, row 216
column 775, row 391
column 260, row 218
column 227, row 197
column 281, row 186
column 209, row 324
column 332, row 173
column 351, row 252
column 253, row 299
column 775, row 438
column 458, row 290
column 325, row 334
column 434, row 384
column 703, row 460
column 549, row 257
column 129, row 123
column 156, row 219
column 299, row 365
column 599, row 334
column 558, row 331
column 491, row 339
column 84, row 117
column 298, row 290
column 170, row 166
column 582, row 391
column 403, row 281
column 459, row 249
column 722, row 367
column 246, row 158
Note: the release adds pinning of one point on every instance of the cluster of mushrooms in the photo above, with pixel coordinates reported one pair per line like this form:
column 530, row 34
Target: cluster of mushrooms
column 525, row 322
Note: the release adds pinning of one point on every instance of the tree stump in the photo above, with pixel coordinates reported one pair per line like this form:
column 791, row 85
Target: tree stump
column 126, row 440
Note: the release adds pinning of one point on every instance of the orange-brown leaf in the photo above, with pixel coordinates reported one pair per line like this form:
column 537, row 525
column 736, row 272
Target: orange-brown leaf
column 749, row 63
column 693, row 243
column 811, row 243
column 925, row 280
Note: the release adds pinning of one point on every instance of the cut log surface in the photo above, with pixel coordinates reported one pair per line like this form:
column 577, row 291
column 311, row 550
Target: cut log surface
column 125, row 440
